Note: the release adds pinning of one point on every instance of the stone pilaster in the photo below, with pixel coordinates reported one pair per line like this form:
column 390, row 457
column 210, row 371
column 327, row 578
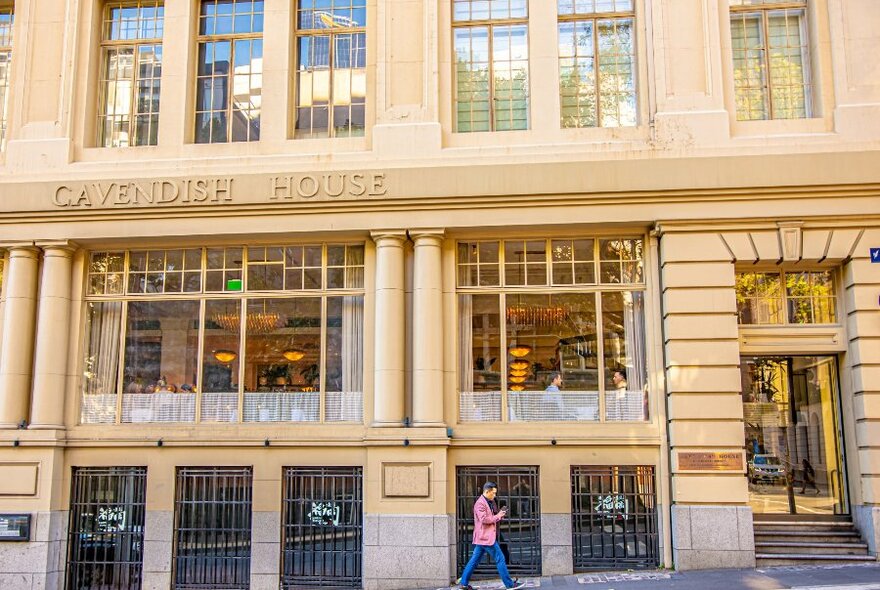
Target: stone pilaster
column 711, row 522
column 389, row 353
column 53, row 329
column 428, row 329
column 16, row 352
column 861, row 282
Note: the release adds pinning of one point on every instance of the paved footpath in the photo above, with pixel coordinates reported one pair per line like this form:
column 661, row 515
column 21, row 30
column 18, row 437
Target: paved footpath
column 849, row 577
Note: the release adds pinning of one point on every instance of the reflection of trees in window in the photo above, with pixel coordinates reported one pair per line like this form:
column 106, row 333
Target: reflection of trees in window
column 131, row 73
column 491, row 65
column 808, row 297
column 230, row 71
column 597, row 64
column 6, row 20
column 770, row 59
column 331, row 74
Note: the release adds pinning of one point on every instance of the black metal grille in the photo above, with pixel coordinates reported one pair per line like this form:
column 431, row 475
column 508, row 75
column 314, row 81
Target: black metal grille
column 106, row 532
column 212, row 521
column 323, row 527
column 520, row 530
column 614, row 517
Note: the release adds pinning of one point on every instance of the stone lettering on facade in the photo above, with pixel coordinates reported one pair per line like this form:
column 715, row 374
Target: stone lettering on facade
column 103, row 194
column 331, row 185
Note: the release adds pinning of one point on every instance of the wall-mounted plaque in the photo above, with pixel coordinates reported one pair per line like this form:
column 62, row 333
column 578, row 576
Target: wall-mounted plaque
column 710, row 461
column 15, row 527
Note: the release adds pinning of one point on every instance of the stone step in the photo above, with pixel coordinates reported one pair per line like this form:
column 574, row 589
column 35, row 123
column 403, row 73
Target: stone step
column 809, row 536
column 775, row 559
column 812, row 548
column 816, row 526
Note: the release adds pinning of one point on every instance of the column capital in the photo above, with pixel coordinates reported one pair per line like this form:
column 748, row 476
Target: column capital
column 388, row 235
column 20, row 249
column 427, row 236
column 57, row 247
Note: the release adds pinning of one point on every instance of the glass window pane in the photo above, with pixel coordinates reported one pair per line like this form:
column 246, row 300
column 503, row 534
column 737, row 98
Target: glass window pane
column 623, row 332
column 101, row 362
column 161, row 358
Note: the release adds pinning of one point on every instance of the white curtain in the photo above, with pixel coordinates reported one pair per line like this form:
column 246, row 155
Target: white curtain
column 466, row 342
column 352, row 344
column 634, row 330
column 102, row 363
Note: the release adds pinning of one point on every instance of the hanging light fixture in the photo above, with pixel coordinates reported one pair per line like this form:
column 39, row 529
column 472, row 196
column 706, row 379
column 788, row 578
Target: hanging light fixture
column 519, row 373
column 225, row 356
column 516, row 388
column 519, row 350
column 519, row 364
column 293, row 354
column 513, row 379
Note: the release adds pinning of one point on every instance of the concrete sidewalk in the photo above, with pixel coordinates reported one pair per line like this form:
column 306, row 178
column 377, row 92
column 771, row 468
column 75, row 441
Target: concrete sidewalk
column 849, row 577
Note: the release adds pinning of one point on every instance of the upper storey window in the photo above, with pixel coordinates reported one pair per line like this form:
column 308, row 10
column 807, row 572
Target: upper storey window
column 771, row 65
column 6, row 20
column 597, row 63
column 230, row 71
column 331, row 75
column 131, row 49
column 491, row 65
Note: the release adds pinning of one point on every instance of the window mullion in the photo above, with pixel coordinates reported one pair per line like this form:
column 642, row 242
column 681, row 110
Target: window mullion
column 322, row 364
column 120, row 370
column 242, row 343
column 596, row 72
column 200, row 361
column 765, row 24
column 331, row 57
column 502, row 321
column 600, row 354
column 132, row 107
column 490, row 34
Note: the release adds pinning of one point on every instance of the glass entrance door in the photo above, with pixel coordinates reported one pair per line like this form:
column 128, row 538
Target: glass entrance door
column 790, row 409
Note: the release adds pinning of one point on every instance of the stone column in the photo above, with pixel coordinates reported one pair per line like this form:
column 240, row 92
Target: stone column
column 16, row 352
column 53, row 329
column 389, row 384
column 428, row 329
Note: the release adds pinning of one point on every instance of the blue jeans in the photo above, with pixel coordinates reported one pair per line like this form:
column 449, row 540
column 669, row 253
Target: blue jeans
column 497, row 556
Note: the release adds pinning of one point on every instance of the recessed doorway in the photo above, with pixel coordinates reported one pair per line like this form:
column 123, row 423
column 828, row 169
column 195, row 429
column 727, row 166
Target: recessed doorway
column 792, row 435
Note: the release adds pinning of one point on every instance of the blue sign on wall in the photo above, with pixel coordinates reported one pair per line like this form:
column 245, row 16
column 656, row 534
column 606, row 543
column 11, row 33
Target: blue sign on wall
column 875, row 255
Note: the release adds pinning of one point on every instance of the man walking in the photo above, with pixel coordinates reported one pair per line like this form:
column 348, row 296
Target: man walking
column 486, row 538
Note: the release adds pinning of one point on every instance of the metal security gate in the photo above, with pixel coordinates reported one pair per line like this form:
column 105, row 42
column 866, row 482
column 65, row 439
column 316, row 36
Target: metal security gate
column 105, row 538
column 520, row 530
column 322, row 527
column 614, row 517
column 212, row 524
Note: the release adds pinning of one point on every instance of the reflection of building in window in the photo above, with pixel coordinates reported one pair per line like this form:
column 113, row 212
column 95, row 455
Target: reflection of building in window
column 597, row 78
column 6, row 22
column 131, row 47
column 331, row 77
column 771, row 59
column 230, row 71
column 491, row 65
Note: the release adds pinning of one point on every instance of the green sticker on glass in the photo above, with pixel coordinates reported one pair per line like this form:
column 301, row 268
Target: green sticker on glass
column 233, row 285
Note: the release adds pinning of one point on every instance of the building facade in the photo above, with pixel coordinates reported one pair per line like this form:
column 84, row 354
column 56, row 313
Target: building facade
column 236, row 357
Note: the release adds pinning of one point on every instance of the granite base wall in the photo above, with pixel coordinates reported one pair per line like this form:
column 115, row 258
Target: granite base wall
column 712, row 537
column 556, row 545
column 39, row 563
column 867, row 520
column 408, row 551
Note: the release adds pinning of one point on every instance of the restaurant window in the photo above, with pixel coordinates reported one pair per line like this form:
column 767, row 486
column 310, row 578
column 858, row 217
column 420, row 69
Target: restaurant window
column 491, row 48
column 786, row 297
column 597, row 69
column 331, row 75
column 230, row 71
column 131, row 50
column 572, row 308
column 7, row 19
column 188, row 335
column 771, row 59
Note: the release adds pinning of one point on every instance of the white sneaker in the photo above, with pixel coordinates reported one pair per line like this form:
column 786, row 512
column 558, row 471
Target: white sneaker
column 517, row 584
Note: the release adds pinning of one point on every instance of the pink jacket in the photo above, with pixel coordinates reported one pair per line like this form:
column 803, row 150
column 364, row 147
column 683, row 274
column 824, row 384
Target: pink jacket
column 484, row 523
